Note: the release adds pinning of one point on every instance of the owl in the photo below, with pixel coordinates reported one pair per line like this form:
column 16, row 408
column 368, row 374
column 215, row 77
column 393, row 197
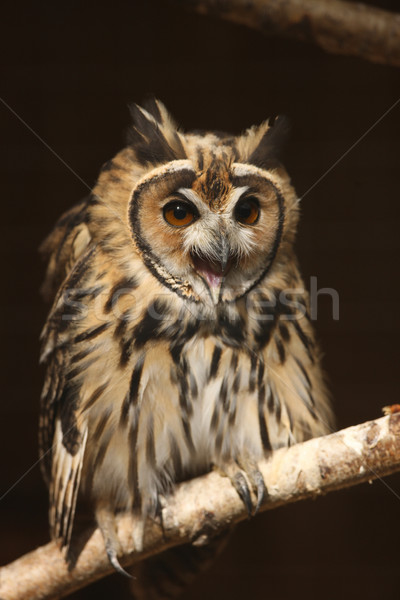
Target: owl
column 179, row 339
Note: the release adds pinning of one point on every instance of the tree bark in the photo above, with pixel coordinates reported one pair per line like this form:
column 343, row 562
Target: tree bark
column 336, row 26
column 205, row 506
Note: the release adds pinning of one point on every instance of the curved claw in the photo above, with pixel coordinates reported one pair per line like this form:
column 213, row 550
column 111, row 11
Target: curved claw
column 242, row 473
column 160, row 504
column 259, row 484
column 240, row 484
column 112, row 557
column 106, row 521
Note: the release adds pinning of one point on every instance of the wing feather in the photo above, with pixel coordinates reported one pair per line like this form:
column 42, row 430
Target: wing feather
column 62, row 442
column 63, row 246
column 67, row 469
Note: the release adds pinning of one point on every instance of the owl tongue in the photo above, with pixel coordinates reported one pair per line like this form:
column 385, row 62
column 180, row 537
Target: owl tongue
column 210, row 271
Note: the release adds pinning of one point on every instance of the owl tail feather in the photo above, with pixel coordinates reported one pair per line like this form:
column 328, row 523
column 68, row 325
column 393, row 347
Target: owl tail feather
column 64, row 488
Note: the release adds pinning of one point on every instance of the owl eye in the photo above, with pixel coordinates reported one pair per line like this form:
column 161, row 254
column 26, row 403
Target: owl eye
column 247, row 211
column 179, row 213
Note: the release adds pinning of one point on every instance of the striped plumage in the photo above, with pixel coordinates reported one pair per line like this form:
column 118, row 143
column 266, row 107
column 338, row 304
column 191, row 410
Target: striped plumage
column 171, row 349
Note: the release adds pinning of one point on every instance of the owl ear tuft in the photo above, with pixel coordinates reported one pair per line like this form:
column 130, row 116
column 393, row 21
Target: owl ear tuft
column 153, row 107
column 154, row 135
column 266, row 142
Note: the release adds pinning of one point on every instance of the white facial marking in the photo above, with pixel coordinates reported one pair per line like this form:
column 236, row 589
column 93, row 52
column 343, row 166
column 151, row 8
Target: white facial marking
column 234, row 196
column 192, row 197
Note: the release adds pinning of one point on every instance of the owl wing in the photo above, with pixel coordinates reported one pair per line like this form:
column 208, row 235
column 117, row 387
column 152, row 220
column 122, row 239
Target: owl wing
column 62, row 443
column 63, row 246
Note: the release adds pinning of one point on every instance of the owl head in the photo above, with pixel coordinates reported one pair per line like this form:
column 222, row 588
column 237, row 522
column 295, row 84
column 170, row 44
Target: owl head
column 213, row 214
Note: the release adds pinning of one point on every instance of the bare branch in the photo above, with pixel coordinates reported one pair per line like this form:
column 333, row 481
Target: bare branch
column 336, row 26
column 209, row 504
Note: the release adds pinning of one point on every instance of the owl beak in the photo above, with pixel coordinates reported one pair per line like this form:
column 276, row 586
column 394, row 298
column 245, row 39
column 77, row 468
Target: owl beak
column 211, row 271
column 224, row 254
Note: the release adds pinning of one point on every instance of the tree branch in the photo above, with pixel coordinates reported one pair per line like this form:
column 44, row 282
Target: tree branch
column 336, row 26
column 204, row 506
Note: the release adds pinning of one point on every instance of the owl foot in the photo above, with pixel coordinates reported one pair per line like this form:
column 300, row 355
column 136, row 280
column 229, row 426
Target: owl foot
column 256, row 480
column 245, row 476
column 240, row 484
column 106, row 522
column 158, row 513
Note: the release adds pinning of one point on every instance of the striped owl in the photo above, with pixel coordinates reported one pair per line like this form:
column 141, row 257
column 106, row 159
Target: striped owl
column 179, row 338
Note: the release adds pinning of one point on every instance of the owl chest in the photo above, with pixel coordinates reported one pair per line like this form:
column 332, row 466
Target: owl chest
column 201, row 410
column 182, row 403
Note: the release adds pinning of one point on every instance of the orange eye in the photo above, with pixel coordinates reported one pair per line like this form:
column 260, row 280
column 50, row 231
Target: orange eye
column 179, row 214
column 247, row 211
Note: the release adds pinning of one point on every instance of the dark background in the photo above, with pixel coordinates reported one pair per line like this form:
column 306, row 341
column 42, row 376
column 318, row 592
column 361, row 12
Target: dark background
column 69, row 70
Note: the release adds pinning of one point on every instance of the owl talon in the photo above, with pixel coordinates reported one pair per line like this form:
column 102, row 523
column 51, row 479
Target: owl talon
column 106, row 523
column 113, row 558
column 260, row 488
column 240, row 484
column 254, row 475
column 159, row 513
